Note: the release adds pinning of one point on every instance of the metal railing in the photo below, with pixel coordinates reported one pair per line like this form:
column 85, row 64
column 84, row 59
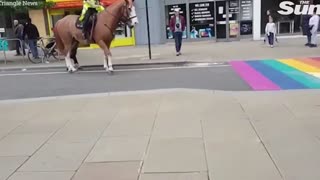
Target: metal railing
column 6, row 40
column 41, row 44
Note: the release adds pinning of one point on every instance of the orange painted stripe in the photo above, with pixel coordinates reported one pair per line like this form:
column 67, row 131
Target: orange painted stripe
column 311, row 62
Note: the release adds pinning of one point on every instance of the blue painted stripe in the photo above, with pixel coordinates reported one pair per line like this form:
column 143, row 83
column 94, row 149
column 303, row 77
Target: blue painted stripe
column 275, row 76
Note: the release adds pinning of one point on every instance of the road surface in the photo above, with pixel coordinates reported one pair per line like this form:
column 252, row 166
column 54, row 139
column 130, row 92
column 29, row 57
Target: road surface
column 56, row 82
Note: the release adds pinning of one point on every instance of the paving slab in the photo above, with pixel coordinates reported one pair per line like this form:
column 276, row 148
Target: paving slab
column 177, row 126
column 83, row 129
column 22, row 144
column 42, row 175
column 292, row 147
column 305, row 111
column 135, row 121
column 312, row 125
column 40, row 126
column 175, row 176
column 114, row 171
column 175, row 155
column 9, row 165
column 240, row 160
column 110, row 149
column 58, row 156
column 8, row 126
column 226, row 129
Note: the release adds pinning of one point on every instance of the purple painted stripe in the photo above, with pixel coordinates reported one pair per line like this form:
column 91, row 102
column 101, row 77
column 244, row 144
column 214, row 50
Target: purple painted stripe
column 256, row 80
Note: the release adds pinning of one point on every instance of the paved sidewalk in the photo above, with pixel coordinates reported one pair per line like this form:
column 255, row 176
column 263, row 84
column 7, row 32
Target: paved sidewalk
column 163, row 135
column 204, row 51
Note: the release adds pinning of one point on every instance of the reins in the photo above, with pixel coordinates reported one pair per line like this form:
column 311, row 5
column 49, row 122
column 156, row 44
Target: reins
column 121, row 19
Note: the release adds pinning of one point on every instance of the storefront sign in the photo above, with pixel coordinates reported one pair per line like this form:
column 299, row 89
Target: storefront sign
column 233, row 7
column 201, row 19
column 246, row 10
column 201, row 13
column 61, row 4
column 68, row 4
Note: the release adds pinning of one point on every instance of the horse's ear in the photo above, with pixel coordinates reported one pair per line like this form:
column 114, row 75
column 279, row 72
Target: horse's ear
column 129, row 3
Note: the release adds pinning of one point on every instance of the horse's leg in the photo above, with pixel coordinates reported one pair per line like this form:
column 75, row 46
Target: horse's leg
column 73, row 53
column 70, row 67
column 107, row 56
column 109, row 62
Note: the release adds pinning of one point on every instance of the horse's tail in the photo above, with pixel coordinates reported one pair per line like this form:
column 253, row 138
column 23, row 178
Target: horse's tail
column 58, row 39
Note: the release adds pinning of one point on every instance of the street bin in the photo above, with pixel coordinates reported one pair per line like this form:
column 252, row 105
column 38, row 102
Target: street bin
column 3, row 45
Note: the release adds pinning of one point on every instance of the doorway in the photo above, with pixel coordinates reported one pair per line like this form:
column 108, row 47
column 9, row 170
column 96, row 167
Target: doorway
column 227, row 20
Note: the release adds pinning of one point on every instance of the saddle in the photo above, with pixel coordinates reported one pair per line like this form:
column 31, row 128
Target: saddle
column 91, row 25
column 79, row 25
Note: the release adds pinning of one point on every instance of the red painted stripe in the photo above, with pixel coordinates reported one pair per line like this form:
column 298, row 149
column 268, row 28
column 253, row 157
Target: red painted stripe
column 311, row 62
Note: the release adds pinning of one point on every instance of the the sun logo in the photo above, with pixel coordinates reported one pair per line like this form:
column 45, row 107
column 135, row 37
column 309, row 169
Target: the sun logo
column 303, row 8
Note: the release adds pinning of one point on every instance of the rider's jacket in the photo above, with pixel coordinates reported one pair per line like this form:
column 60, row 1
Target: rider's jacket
column 89, row 4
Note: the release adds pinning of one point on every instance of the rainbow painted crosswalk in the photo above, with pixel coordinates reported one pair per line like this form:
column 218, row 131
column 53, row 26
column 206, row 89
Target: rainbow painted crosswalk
column 278, row 74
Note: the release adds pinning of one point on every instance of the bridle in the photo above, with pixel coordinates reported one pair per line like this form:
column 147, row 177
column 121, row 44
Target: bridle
column 124, row 19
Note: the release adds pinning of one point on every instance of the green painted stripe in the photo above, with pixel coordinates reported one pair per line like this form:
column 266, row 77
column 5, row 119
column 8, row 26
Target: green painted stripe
column 303, row 78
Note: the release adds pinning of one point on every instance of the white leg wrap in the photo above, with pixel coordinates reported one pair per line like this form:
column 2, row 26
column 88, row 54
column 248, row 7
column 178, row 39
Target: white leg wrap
column 105, row 65
column 69, row 63
column 110, row 63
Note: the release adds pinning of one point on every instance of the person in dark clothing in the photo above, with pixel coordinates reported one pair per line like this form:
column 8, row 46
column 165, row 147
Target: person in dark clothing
column 18, row 31
column 177, row 26
column 32, row 34
column 305, row 28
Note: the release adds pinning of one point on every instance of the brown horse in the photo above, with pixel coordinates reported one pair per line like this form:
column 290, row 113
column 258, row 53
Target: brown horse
column 68, row 36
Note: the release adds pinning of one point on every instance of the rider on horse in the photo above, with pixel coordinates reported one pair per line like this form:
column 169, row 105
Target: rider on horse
column 89, row 8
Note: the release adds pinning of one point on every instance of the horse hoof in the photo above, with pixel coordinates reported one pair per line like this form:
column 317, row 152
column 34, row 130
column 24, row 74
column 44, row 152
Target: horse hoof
column 72, row 70
column 76, row 66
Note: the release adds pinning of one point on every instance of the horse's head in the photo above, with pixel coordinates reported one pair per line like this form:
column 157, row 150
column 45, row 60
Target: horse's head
column 129, row 14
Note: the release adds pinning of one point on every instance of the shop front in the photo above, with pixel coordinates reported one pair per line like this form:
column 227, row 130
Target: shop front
column 124, row 36
column 219, row 20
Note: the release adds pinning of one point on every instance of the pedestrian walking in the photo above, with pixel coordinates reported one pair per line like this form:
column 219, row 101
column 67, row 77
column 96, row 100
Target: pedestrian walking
column 313, row 28
column 177, row 26
column 271, row 31
column 18, row 31
column 32, row 34
column 305, row 28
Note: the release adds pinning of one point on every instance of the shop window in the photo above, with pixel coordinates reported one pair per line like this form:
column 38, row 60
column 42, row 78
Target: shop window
column 234, row 18
column 201, row 20
column 55, row 19
column 169, row 13
column 123, row 31
column 78, row 12
column 285, row 23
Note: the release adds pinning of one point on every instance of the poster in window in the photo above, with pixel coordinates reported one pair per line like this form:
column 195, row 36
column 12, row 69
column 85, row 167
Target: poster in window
column 246, row 27
column 234, row 29
column 170, row 13
column 201, row 20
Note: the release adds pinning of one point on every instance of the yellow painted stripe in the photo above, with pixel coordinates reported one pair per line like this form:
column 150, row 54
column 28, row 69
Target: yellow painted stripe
column 300, row 66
